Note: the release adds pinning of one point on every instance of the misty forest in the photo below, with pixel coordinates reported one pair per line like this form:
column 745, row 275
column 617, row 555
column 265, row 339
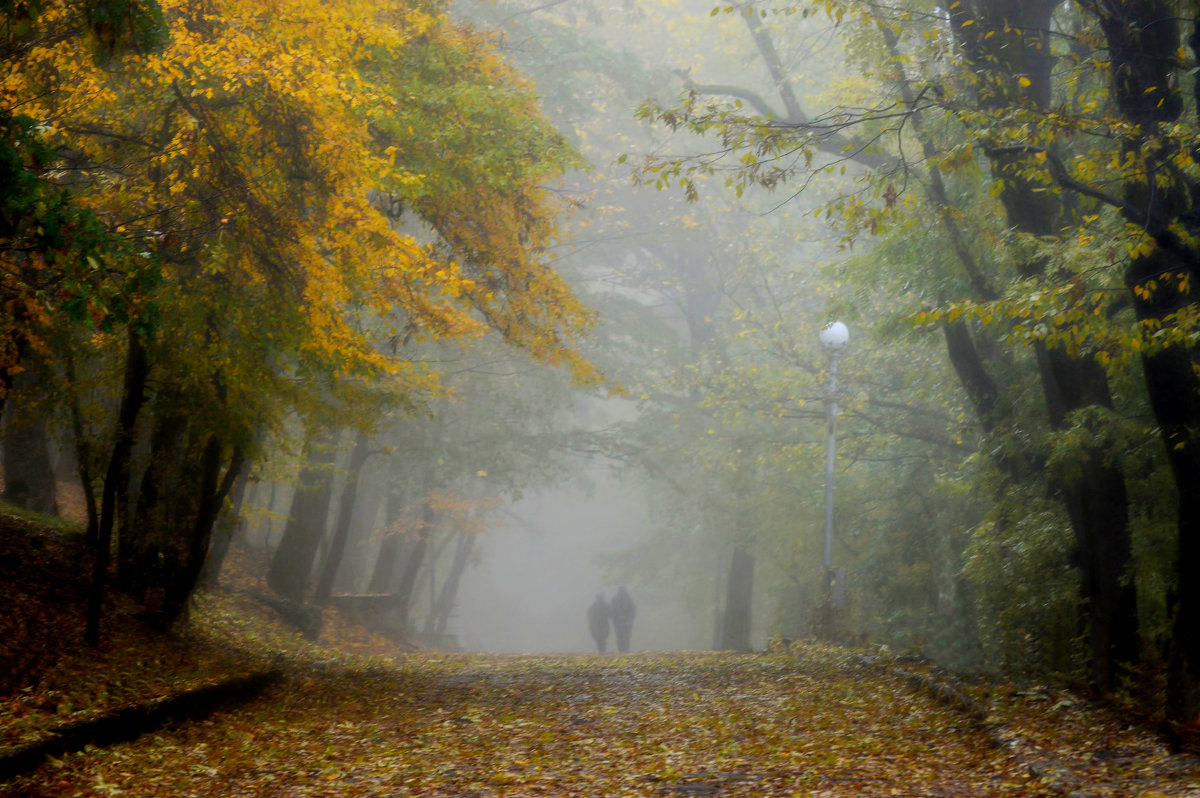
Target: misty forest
column 542, row 398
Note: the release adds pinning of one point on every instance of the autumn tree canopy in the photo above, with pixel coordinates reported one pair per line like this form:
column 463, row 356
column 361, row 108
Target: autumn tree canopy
column 267, row 208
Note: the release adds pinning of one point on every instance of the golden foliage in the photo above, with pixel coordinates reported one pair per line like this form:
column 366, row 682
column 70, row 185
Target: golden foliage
column 250, row 157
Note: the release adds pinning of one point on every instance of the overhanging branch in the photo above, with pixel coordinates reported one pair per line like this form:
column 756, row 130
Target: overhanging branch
column 754, row 99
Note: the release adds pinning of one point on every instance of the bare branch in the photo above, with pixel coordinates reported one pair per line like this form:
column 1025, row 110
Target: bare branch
column 753, row 98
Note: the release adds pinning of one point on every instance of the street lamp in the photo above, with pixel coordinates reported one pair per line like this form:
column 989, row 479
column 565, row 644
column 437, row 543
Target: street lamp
column 833, row 338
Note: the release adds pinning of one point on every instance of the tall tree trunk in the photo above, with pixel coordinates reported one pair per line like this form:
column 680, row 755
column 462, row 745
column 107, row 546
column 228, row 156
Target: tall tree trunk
column 384, row 570
column 360, row 556
column 1008, row 43
column 1098, row 508
column 1143, row 39
column 1175, row 399
column 439, row 614
column 83, row 457
column 116, row 477
column 228, row 522
column 341, row 530
column 416, row 552
column 213, row 490
column 721, row 575
column 427, row 576
column 383, row 574
column 141, row 543
column 292, row 563
column 269, row 521
column 968, row 365
column 739, row 601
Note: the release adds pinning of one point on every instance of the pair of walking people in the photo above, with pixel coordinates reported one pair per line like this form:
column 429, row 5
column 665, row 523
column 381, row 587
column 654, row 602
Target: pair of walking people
column 619, row 613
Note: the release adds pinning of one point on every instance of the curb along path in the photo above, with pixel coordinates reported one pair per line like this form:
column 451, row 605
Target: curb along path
column 129, row 723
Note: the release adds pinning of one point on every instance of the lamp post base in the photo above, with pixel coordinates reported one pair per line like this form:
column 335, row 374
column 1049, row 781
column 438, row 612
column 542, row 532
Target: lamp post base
column 826, row 629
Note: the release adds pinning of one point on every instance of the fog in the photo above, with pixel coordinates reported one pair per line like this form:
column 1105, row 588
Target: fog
column 539, row 570
column 465, row 315
column 708, row 292
column 652, row 265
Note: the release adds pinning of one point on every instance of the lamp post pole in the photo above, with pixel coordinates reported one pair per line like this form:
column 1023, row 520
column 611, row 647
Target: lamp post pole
column 833, row 338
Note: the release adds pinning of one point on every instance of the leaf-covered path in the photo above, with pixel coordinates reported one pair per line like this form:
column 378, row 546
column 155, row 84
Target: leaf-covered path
column 808, row 724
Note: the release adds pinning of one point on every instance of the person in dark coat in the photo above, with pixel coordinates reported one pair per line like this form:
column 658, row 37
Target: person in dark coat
column 622, row 610
column 598, row 618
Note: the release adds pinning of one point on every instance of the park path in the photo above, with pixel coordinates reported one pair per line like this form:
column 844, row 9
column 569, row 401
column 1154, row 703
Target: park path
column 681, row 724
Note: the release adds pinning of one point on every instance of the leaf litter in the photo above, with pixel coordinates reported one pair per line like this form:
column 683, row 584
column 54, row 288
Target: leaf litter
column 357, row 716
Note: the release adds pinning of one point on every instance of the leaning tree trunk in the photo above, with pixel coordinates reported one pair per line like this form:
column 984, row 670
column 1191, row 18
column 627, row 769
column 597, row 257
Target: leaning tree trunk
column 416, row 554
column 439, row 613
column 359, row 560
column 226, row 527
column 387, row 559
column 116, row 477
column 213, row 489
column 141, row 543
column 83, row 457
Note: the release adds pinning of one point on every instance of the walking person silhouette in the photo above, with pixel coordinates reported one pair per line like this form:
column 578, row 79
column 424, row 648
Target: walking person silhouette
column 623, row 611
column 598, row 619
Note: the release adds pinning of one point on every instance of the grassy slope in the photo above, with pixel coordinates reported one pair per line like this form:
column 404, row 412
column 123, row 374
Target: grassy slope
column 356, row 717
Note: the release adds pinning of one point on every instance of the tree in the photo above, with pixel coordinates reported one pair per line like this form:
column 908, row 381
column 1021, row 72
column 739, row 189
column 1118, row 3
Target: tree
column 1009, row 46
column 341, row 529
column 265, row 272
column 294, row 558
column 48, row 241
column 1160, row 187
column 1002, row 79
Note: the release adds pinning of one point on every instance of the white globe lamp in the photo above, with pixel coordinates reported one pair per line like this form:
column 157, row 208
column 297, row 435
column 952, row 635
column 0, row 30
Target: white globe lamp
column 835, row 335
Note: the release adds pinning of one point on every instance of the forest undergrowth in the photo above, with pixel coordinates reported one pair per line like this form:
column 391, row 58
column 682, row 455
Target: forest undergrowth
column 356, row 715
